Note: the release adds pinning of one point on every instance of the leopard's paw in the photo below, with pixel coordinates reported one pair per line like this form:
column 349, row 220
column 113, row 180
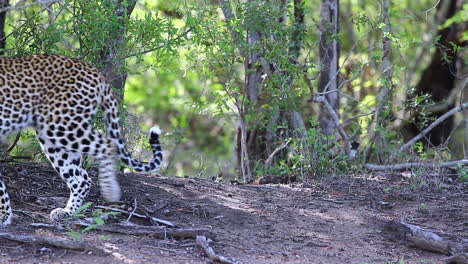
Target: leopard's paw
column 59, row 214
column 5, row 220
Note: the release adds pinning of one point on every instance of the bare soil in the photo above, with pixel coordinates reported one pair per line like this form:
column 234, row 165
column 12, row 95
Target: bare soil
column 341, row 220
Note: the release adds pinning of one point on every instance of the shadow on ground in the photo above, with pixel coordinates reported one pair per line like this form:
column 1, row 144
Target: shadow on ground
column 300, row 223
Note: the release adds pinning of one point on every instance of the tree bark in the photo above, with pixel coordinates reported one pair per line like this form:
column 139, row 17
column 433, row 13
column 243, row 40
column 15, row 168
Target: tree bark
column 383, row 99
column 438, row 79
column 329, row 56
column 3, row 3
column 255, row 135
column 113, row 67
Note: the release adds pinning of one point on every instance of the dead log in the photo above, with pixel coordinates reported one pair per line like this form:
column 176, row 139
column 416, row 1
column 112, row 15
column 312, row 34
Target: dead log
column 53, row 241
column 410, row 165
column 203, row 242
column 461, row 258
column 159, row 232
column 425, row 239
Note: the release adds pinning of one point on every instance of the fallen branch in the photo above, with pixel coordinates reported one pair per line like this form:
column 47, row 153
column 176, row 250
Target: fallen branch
column 409, row 165
column 432, row 126
column 157, row 220
column 159, row 232
column 461, row 258
column 427, row 240
column 203, row 242
column 53, row 241
column 420, row 238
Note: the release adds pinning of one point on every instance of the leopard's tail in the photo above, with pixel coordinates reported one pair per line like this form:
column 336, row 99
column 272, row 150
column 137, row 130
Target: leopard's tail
column 110, row 108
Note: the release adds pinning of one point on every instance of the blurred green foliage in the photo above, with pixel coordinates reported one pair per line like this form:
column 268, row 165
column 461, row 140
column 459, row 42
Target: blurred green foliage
column 186, row 70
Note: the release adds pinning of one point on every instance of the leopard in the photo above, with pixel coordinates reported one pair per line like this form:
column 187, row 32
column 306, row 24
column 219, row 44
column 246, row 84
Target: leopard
column 59, row 97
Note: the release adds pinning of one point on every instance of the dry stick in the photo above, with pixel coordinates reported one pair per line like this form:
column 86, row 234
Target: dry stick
column 133, row 212
column 408, row 165
column 202, row 242
column 336, row 121
column 272, row 155
column 157, row 220
column 53, row 241
column 434, row 124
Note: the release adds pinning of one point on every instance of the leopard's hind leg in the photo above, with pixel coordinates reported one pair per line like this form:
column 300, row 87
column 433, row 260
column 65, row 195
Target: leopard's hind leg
column 70, row 167
column 64, row 151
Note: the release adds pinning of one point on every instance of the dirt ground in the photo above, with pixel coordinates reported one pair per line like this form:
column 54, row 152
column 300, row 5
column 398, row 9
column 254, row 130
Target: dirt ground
column 341, row 222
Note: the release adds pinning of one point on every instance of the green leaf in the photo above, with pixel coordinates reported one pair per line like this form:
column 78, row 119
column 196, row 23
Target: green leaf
column 98, row 220
column 74, row 234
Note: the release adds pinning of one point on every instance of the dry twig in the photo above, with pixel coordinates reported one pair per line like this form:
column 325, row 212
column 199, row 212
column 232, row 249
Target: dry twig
column 133, row 211
column 157, row 220
column 203, row 242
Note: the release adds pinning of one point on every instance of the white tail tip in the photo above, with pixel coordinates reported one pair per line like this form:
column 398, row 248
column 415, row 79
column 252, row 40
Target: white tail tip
column 156, row 130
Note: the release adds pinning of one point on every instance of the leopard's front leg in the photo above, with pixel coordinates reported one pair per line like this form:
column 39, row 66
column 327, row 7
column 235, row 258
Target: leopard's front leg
column 5, row 207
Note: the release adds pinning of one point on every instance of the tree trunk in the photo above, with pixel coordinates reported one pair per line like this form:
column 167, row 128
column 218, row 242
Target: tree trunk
column 384, row 97
column 255, row 135
column 438, row 79
column 113, row 67
column 328, row 82
column 259, row 134
column 3, row 3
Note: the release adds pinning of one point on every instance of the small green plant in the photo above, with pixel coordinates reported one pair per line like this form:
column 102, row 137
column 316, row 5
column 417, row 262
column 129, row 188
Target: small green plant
column 400, row 261
column 98, row 216
column 311, row 156
column 462, row 173
column 423, row 208
column 419, row 146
